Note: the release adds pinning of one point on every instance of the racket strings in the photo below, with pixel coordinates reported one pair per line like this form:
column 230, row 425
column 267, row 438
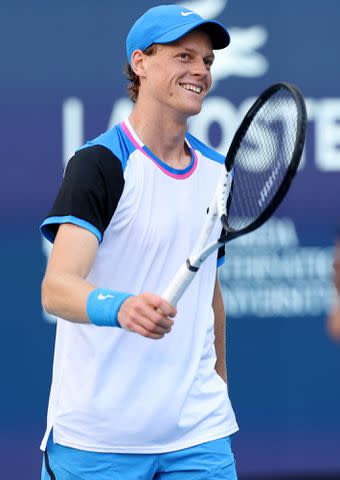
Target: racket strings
column 263, row 158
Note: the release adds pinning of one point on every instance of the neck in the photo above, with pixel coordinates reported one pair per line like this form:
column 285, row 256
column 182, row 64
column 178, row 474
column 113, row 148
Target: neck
column 163, row 134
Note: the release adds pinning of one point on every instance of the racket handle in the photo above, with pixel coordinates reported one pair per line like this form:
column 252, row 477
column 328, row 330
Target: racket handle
column 178, row 285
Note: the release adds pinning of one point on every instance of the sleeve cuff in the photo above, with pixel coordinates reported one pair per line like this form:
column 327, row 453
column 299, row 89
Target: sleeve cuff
column 49, row 233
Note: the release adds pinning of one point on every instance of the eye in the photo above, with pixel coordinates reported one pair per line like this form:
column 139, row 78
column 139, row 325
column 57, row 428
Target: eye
column 208, row 62
column 184, row 56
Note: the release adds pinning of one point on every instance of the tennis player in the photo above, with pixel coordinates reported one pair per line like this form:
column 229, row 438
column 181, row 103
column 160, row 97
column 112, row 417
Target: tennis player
column 139, row 389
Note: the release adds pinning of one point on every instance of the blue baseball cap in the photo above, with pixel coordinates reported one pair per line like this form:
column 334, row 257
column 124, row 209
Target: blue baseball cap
column 168, row 23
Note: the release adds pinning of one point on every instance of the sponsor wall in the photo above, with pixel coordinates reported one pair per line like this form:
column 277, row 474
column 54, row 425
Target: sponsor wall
column 62, row 83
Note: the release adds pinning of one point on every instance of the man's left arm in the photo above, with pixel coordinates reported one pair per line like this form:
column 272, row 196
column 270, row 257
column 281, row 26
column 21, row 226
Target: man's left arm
column 220, row 331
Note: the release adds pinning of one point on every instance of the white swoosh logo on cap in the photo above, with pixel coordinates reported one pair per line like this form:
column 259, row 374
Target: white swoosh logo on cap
column 185, row 14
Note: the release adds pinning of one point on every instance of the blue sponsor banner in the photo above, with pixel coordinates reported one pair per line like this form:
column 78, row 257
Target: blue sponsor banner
column 61, row 84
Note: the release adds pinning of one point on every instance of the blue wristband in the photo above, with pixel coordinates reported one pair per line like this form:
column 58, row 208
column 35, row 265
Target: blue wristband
column 103, row 306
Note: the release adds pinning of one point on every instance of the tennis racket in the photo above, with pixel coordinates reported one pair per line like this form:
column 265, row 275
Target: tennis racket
column 260, row 165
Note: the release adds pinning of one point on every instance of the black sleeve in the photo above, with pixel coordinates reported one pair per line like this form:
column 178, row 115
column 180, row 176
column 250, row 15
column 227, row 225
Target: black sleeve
column 88, row 197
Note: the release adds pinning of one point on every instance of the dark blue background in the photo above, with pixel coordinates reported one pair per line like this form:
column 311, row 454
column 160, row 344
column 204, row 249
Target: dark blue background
column 283, row 372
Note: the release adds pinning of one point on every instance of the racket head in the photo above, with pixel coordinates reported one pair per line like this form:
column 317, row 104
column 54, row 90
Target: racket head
column 276, row 124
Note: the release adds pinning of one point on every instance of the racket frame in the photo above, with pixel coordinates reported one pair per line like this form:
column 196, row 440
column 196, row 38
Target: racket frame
column 301, row 127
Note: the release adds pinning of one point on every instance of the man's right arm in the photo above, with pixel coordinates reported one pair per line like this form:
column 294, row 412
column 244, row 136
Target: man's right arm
column 65, row 289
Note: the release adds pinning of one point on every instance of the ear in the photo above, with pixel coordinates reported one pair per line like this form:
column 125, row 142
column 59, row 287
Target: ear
column 137, row 63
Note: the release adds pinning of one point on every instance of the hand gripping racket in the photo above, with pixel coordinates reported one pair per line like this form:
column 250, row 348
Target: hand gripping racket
column 260, row 165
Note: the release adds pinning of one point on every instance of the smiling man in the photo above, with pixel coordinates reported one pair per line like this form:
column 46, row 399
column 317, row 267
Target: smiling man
column 139, row 389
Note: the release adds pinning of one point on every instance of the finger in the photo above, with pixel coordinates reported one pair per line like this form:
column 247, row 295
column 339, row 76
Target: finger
column 151, row 326
column 156, row 317
column 145, row 333
column 130, row 323
column 158, row 302
column 153, row 313
column 167, row 309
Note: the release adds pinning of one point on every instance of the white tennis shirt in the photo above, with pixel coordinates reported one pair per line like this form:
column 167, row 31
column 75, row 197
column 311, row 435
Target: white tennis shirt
column 113, row 390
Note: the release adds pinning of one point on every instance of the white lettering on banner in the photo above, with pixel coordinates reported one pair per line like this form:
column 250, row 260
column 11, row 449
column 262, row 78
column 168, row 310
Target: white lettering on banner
column 324, row 113
column 306, row 299
column 303, row 263
column 275, row 234
column 267, row 273
column 327, row 135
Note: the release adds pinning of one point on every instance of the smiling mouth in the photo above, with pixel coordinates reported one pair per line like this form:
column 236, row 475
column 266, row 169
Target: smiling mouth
column 191, row 88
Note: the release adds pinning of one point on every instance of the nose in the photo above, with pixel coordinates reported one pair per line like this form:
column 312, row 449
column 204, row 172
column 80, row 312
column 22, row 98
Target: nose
column 200, row 68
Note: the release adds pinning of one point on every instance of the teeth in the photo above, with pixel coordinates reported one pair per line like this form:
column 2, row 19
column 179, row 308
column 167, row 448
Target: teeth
column 187, row 86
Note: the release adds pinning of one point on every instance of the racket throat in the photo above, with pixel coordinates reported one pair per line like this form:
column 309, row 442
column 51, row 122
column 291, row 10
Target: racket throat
column 191, row 267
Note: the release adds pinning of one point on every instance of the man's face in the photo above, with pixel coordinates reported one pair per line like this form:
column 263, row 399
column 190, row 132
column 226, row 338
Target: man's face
column 178, row 75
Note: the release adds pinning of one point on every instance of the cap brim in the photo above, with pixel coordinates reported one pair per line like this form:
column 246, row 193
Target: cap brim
column 220, row 37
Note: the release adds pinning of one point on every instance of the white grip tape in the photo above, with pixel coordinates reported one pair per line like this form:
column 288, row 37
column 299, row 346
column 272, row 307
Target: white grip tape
column 178, row 285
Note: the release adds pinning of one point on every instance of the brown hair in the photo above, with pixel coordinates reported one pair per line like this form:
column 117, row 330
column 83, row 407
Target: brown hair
column 134, row 82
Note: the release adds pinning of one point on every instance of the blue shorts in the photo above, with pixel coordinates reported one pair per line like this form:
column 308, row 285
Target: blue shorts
column 208, row 461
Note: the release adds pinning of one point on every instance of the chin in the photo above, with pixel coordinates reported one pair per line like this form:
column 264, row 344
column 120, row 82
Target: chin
column 191, row 110
column 194, row 111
